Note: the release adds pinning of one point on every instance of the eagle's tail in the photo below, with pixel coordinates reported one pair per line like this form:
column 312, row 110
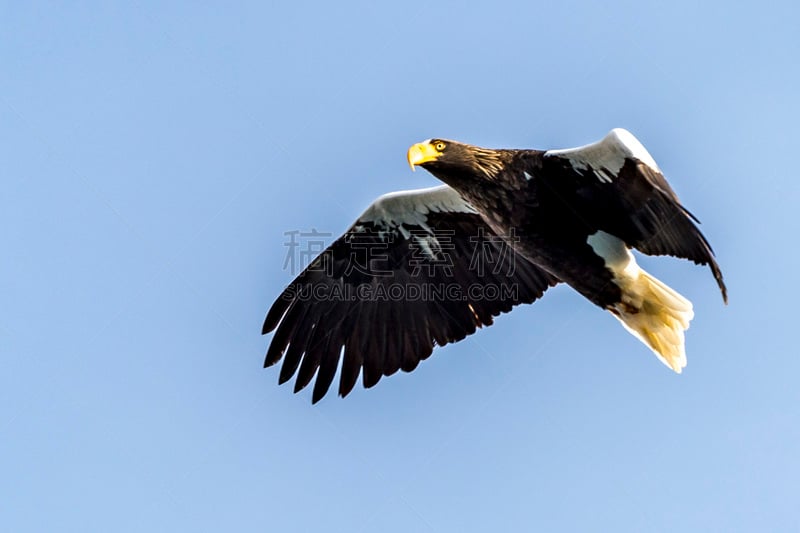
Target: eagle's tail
column 657, row 315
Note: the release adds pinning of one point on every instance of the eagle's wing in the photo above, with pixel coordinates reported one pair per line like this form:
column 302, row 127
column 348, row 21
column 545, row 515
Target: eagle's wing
column 418, row 268
column 622, row 191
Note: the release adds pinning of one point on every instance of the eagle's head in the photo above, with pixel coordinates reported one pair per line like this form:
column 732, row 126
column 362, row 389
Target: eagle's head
column 451, row 160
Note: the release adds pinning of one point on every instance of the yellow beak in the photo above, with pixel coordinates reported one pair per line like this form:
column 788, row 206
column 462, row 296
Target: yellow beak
column 422, row 153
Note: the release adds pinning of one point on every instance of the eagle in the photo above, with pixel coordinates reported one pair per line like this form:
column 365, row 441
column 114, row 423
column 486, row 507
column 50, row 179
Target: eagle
column 429, row 267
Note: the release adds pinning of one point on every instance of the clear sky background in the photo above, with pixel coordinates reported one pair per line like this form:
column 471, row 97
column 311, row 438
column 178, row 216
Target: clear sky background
column 152, row 157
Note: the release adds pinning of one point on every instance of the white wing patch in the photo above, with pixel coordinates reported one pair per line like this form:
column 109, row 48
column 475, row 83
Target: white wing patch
column 607, row 155
column 412, row 207
column 403, row 211
column 528, row 177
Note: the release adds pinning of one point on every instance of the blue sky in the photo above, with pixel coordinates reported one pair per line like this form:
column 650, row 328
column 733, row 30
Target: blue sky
column 152, row 157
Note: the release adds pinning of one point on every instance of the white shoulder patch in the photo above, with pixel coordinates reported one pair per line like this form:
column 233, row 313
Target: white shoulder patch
column 412, row 207
column 609, row 153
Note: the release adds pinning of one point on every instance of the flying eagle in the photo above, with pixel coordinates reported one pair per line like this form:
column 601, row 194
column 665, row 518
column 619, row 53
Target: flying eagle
column 428, row 267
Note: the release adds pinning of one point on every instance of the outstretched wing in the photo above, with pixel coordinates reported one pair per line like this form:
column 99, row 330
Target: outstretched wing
column 418, row 268
column 622, row 191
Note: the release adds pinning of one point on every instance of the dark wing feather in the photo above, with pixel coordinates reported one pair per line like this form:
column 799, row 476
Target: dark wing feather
column 620, row 190
column 420, row 239
column 662, row 226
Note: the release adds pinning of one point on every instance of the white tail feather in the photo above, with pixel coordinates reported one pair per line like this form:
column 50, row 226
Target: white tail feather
column 651, row 311
column 655, row 314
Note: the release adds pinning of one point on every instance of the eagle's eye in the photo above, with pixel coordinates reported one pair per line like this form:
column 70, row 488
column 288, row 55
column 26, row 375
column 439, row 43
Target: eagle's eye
column 440, row 146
